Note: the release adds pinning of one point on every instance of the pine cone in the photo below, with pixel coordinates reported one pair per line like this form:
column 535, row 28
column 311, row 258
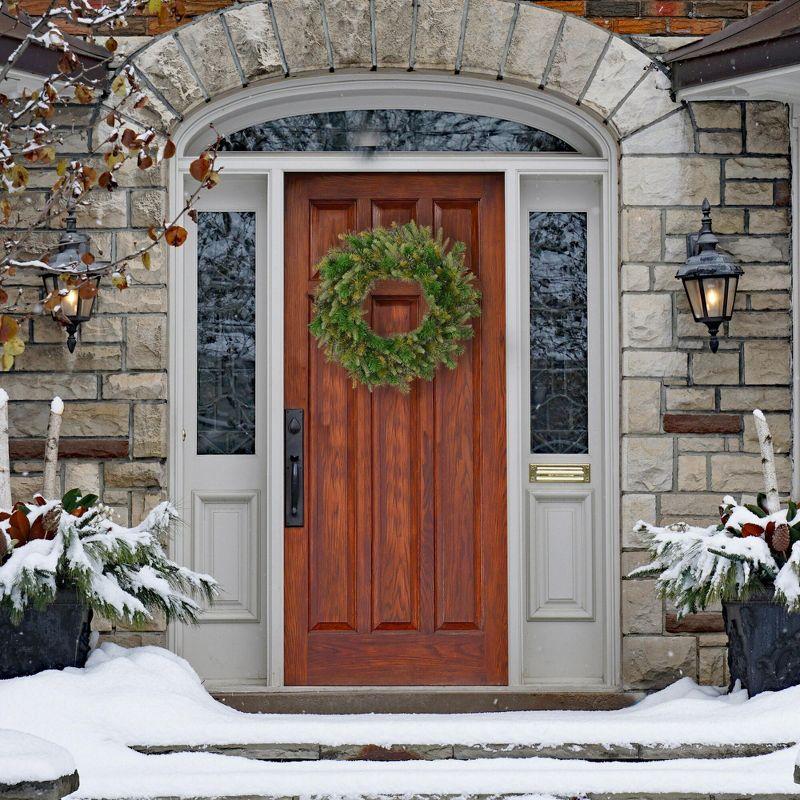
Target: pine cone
column 781, row 538
column 50, row 522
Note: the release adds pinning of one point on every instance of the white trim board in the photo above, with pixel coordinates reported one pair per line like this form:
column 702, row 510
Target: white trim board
column 515, row 167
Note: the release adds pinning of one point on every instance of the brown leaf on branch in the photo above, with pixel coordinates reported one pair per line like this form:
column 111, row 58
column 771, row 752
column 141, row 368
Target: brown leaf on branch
column 169, row 149
column 83, row 94
column 175, row 235
column 88, row 290
column 200, row 168
column 9, row 328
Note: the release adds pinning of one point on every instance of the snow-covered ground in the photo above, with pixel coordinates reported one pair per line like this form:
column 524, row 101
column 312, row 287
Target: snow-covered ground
column 147, row 696
column 28, row 758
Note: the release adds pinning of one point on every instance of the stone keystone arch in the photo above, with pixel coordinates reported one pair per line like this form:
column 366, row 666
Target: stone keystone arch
column 542, row 49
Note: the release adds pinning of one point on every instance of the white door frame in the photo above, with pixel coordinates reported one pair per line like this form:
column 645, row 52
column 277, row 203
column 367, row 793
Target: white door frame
column 273, row 167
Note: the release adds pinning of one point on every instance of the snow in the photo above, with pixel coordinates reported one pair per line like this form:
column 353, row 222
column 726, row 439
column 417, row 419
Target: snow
column 148, row 696
column 3, row 397
column 28, row 758
column 57, row 406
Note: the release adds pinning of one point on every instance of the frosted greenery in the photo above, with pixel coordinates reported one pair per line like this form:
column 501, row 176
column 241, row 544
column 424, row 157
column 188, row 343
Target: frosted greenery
column 121, row 573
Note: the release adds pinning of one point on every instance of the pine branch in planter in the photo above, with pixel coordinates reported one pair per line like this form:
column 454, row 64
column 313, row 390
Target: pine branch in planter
column 744, row 555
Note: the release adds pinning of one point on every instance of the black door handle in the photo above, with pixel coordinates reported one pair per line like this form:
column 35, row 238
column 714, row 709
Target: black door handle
column 295, row 483
column 293, row 468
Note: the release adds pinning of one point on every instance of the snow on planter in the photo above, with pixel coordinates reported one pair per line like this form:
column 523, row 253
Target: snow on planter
column 25, row 758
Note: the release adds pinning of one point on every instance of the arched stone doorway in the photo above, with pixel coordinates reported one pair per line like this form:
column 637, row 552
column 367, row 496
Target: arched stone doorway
column 581, row 78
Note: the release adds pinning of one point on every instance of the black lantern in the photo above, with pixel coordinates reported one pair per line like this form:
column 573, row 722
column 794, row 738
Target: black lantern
column 710, row 278
column 75, row 282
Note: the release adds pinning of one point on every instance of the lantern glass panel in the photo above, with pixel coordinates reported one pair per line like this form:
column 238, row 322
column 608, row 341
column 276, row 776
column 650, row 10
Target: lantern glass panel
column 733, row 283
column 714, row 291
column 70, row 302
column 693, row 293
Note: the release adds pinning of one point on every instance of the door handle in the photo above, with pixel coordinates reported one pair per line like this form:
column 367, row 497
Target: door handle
column 293, row 468
column 295, row 484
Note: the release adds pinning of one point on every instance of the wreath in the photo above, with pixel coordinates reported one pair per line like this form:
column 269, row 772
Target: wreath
column 404, row 252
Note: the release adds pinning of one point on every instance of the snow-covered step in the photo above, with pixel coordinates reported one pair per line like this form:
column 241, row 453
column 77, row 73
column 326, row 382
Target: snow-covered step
column 533, row 795
column 461, row 752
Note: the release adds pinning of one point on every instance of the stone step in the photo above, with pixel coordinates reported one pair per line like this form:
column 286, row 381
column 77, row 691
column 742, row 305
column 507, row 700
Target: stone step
column 422, row 752
column 400, row 701
column 40, row 790
column 526, row 796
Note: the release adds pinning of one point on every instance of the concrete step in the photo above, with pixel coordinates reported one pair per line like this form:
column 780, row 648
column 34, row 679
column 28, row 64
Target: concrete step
column 422, row 752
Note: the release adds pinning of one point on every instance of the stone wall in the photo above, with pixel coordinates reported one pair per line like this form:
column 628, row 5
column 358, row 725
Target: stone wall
column 686, row 433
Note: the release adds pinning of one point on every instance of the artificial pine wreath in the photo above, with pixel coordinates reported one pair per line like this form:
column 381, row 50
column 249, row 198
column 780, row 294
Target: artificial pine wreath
column 404, row 252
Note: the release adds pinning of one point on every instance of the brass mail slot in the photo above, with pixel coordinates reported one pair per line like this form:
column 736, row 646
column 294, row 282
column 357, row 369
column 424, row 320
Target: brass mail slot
column 560, row 473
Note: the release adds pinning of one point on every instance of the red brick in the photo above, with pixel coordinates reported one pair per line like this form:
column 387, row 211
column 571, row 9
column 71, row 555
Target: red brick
column 695, row 27
column 665, row 8
column 633, row 26
column 702, row 423
column 577, row 7
column 721, row 8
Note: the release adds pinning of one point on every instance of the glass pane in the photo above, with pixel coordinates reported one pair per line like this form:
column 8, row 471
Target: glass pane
column 394, row 130
column 226, row 332
column 559, row 332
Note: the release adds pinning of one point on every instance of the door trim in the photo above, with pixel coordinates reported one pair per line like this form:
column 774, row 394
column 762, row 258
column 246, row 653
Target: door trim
column 273, row 167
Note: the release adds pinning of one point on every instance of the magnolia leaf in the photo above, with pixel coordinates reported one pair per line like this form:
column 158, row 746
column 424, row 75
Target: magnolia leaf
column 111, row 44
column 88, row 290
column 169, row 149
column 146, row 260
column 175, row 235
column 119, row 280
column 152, row 234
column 87, row 259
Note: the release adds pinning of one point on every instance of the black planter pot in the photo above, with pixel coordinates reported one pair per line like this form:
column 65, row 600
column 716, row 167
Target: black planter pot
column 53, row 638
column 763, row 644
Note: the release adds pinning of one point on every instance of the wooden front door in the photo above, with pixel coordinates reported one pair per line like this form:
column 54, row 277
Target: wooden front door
column 398, row 576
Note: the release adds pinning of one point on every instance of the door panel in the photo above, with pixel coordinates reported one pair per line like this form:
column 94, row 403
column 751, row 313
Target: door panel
column 399, row 575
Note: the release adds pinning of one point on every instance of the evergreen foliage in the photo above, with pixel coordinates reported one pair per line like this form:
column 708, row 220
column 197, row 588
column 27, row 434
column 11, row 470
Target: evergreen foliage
column 409, row 253
column 124, row 574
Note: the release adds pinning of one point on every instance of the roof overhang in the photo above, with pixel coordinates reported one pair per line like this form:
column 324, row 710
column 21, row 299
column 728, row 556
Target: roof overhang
column 757, row 58
column 43, row 61
column 781, row 84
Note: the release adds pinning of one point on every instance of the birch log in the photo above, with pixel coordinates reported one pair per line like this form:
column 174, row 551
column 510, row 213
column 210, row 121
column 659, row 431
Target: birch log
column 772, row 502
column 51, row 449
column 5, row 458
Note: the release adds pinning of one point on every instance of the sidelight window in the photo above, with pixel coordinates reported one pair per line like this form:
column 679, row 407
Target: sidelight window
column 558, row 332
column 226, row 336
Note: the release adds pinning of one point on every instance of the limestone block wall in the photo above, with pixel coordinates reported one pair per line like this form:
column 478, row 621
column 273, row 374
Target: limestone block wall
column 686, row 436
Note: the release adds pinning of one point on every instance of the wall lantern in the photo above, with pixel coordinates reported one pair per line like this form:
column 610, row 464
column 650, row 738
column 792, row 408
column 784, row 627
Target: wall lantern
column 710, row 279
column 76, row 282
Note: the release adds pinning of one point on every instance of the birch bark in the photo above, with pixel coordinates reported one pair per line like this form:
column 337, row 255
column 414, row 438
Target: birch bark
column 772, row 502
column 5, row 458
column 51, row 449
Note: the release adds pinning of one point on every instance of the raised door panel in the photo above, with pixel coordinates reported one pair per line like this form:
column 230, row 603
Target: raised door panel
column 226, row 546
column 329, row 219
column 560, row 556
